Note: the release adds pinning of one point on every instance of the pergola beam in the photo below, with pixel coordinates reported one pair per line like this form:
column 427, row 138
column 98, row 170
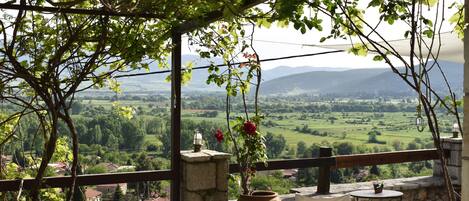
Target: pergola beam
column 213, row 16
column 187, row 26
column 80, row 11
column 176, row 116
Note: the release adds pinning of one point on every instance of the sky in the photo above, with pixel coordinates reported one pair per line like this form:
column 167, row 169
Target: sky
column 280, row 42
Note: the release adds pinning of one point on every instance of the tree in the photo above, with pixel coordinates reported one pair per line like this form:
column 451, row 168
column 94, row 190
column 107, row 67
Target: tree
column 275, row 144
column 112, row 143
column 372, row 138
column 97, row 169
column 300, row 149
column 47, row 58
column 397, row 144
column 132, row 135
column 97, row 134
column 375, row 132
column 143, row 162
column 412, row 146
column 423, row 29
column 18, row 158
column 118, row 194
column 79, row 192
column 154, row 125
column 76, row 107
column 344, row 148
column 375, row 170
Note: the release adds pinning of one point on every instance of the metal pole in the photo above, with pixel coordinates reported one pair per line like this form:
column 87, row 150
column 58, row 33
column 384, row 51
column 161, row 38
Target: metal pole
column 176, row 116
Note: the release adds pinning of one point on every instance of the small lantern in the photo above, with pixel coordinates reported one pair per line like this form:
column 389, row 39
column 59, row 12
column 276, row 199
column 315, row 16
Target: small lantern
column 418, row 121
column 455, row 130
column 197, row 141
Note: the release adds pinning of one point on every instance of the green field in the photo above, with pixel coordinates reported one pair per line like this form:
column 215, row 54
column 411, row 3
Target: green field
column 350, row 127
column 397, row 126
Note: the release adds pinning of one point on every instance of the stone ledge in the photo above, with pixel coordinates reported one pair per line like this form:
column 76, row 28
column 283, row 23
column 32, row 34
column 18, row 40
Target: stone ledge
column 453, row 140
column 203, row 156
column 285, row 197
column 402, row 184
column 195, row 157
column 411, row 183
column 217, row 155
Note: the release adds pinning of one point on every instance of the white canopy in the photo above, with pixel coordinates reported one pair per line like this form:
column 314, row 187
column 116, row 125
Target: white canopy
column 451, row 47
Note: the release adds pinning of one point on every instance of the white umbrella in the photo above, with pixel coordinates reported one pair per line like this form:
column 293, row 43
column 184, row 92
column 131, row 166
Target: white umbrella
column 451, row 47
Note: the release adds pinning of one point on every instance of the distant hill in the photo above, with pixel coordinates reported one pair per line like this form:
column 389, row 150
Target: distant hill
column 285, row 80
column 198, row 82
column 282, row 71
column 359, row 81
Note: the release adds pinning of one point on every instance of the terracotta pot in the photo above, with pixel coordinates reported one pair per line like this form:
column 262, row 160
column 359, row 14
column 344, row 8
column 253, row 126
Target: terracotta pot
column 260, row 196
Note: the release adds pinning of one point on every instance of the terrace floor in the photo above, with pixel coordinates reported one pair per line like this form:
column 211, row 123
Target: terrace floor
column 414, row 188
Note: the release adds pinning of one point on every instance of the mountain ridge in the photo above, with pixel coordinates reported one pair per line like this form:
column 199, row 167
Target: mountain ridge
column 359, row 81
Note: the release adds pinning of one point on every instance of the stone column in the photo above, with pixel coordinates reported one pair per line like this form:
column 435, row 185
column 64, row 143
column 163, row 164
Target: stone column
column 465, row 151
column 204, row 176
column 452, row 146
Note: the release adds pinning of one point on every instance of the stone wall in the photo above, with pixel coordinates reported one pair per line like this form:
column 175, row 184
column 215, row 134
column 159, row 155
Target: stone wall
column 428, row 188
column 453, row 146
column 204, row 176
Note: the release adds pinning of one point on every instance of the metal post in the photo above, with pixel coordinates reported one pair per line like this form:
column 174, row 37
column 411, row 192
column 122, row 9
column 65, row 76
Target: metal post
column 324, row 178
column 176, row 116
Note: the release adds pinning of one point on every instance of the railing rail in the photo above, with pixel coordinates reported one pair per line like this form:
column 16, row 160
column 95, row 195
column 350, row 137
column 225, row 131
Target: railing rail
column 324, row 162
column 357, row 160
column 289, row 164
column 89, row 179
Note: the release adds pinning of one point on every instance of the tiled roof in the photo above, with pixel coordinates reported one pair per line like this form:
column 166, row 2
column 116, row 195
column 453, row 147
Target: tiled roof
column 91, row 193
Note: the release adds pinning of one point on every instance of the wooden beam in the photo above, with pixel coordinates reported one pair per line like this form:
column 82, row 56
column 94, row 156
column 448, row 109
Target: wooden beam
column 358, row 160
column 289, row 164
column 176, row 116
column 324, row 177
column 79, row 11
column 91, row 179
column 213, row 16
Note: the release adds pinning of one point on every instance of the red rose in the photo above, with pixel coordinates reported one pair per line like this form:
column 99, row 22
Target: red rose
column 219, row 135
column 250, row 128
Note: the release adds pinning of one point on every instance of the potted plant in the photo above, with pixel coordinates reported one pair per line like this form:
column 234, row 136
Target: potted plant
column 244, row 136
column 378, row 186
column 249, row 148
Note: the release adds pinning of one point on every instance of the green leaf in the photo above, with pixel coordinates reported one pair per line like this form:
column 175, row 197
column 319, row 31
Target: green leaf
column 359, row 50
column 428, row 33
column 262, row 22
column 375, row 3
column 406, row 34
column 457, row 19
column 124, row 111
column 378, row 58
column 282, row 23
column 114, row 85
column 303, row 30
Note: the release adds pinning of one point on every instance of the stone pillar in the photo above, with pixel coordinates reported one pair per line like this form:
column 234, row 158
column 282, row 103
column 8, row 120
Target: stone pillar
column 204, row 176
column 452, row 146
column 465, row 151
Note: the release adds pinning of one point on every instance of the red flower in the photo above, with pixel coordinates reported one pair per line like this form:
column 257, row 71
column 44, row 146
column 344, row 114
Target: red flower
column 219, row 135
column 250, row 128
